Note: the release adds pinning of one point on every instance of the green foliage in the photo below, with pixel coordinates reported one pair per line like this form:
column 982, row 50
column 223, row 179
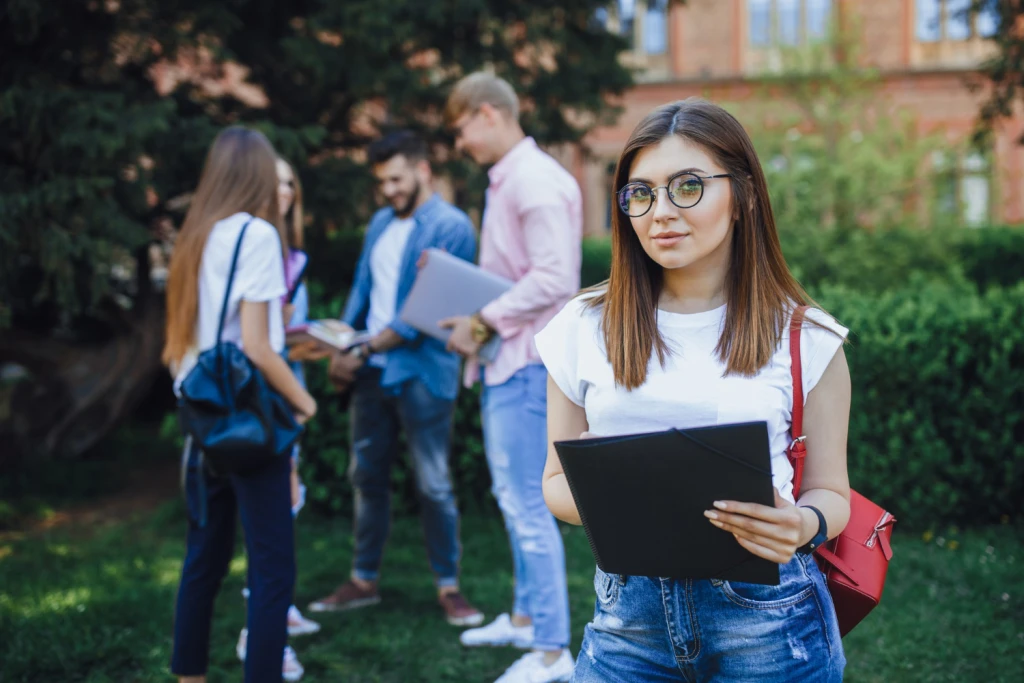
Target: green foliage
column 836, row 152
column 1003, row 89
column 937, row 421
column 91, row 156
column 936, row 362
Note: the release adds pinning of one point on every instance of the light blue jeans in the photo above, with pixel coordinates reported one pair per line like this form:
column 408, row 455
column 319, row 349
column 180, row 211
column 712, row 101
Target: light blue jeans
column 659, row 629
column 514, row 416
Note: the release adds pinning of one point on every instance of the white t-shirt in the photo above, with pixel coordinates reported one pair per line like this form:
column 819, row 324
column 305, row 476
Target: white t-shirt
column 259, row 277
column 385, row 270
column 691, row 389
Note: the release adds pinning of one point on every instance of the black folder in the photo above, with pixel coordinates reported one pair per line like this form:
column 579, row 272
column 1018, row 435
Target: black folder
column 642, row 499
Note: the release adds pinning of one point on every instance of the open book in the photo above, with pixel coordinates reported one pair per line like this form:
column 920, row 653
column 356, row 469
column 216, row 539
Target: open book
column 332, row 333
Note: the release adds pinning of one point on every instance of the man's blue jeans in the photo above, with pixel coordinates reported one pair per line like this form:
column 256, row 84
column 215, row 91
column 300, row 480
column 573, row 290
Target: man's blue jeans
column 515, row 438
column 376, row 415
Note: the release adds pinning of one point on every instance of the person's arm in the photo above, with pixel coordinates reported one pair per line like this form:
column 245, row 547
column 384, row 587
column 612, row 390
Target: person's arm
column 566, row 421
column 775, row 533
column 553, row 250
column 256, row 343
column 456, row 238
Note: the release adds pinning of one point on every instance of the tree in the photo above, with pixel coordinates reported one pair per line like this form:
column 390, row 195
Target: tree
column 93, row 158
column 838, row 154
column 1005, row 71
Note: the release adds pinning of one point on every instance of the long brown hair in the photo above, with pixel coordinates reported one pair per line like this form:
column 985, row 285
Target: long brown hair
column 760, row 291
column 293, row 218
column 239, row 175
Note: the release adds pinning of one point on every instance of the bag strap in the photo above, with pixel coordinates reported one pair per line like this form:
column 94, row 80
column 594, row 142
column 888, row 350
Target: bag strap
column 298, row 282
column 231, row 279
column 798, row 447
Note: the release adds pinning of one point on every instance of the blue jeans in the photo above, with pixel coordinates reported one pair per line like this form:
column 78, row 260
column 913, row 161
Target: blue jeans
column 263, row 501
column 650, row 629
column 376, row 414
column 515, row 438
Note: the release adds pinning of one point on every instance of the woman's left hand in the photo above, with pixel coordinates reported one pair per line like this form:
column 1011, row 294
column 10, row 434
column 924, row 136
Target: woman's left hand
column 773, row 533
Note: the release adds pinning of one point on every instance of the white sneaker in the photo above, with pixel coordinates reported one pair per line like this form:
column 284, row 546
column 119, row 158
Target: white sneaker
column 498, row 633
column 530, row 669
column 299, row 625
column 291, row 670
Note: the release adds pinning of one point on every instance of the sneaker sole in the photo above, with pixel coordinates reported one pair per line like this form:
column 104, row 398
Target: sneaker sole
column 294, row 631
column 518, row 644
column 347, row 607
column 474, row 620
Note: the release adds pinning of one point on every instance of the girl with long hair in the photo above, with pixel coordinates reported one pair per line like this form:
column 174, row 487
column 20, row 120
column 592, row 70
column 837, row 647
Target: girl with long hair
column 295, row 311
column 691, row 330
column 236, row 200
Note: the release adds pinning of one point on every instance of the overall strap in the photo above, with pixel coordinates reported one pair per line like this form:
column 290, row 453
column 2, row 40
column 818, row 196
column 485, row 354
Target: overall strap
column 231, row 279
column 798, row 447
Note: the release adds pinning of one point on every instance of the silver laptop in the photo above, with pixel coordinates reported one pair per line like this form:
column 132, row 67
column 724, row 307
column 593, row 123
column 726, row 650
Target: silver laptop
column 446, row 287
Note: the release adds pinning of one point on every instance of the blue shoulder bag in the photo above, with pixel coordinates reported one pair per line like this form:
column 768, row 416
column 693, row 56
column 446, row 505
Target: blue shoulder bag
column 236, row 420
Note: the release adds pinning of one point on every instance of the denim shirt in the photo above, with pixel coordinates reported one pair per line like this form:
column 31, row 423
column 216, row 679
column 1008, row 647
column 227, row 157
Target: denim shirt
column 439, row 225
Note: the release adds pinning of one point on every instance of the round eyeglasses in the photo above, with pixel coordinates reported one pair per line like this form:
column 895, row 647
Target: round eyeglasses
column 684, row 190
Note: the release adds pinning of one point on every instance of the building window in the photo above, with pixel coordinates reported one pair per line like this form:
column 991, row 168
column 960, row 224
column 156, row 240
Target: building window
column 760, row 12
column 656, row 27
column 964, row 186
column 952, row 20
column 819, row 14
column 787, row 22
column 643, row 23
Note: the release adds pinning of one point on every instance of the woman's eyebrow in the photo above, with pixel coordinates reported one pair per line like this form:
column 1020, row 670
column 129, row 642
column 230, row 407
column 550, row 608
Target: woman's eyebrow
column 693, row 169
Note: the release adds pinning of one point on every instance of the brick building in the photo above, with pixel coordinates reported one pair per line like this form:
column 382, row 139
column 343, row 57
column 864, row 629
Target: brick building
column 925, row 50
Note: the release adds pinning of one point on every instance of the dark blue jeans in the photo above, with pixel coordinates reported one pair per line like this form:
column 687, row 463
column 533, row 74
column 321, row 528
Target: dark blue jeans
column 376, row 414
column 264, row 502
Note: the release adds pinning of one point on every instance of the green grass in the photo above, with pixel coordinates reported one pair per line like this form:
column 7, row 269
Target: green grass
column 96, row 605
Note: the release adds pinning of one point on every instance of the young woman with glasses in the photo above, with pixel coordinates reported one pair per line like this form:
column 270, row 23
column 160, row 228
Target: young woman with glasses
column 690, row 330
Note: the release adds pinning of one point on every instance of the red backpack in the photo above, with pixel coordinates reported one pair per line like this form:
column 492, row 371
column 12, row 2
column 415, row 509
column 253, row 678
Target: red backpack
column 856, row 561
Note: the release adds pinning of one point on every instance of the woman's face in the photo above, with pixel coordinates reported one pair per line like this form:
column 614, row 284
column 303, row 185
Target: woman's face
column 671, row 236
column 285, row 187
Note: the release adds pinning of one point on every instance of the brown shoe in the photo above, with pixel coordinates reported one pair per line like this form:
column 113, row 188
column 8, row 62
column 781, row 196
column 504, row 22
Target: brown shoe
column 348, row 596
column 458, row 611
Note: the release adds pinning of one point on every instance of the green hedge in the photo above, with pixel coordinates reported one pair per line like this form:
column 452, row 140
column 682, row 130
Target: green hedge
column 937, row 362
column 937, row 419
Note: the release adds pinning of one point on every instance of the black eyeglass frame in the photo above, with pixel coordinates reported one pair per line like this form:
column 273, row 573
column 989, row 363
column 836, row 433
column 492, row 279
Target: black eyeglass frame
column 654, row 191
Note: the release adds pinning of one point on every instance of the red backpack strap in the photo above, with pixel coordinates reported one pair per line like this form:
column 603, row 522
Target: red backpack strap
column 798, row 448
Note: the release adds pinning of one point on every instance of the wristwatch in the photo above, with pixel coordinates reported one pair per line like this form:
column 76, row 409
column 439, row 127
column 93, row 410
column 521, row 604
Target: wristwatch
column 481, row 331
column 363, row 351
column 819, row 538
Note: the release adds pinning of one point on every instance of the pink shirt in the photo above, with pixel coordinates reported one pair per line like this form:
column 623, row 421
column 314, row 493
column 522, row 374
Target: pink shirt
column 532, row 232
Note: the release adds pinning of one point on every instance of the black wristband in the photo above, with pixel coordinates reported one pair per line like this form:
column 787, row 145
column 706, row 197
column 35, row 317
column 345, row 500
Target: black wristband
column 820, row 537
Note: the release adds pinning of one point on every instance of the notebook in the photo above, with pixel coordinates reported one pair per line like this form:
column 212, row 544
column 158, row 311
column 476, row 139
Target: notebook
column 448, row 286
column 642, row 500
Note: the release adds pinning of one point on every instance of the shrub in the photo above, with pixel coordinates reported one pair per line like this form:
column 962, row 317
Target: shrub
column 937, row 421
column 936, row 428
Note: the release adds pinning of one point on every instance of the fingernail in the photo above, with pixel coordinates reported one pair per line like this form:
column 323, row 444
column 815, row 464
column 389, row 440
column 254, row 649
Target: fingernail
column 717, row 523
column 720, row 505
column 710, row 514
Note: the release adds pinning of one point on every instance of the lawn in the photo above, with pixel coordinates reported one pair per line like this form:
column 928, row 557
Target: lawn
column 95, row 604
